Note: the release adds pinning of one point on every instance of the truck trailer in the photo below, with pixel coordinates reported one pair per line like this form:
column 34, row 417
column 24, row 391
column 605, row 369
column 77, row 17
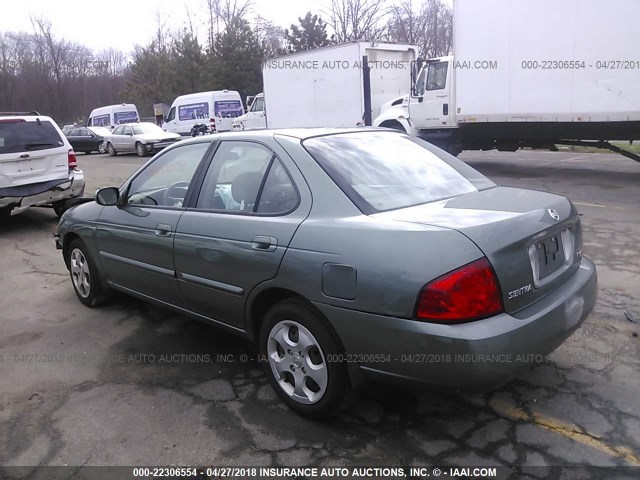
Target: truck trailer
column 528, row 73
column 338, row 86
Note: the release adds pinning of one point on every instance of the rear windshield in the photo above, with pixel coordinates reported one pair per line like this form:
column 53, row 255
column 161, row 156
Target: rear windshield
column 28, row 136
column 228, row 108
column 382, row 171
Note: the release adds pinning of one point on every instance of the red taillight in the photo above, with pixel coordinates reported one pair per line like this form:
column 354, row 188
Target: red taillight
column 468, row 293
column 72, row 160
column 213, row 124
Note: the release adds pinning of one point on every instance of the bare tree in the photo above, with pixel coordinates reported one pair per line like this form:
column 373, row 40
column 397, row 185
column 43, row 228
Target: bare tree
column 222, row 13
column 356, row 19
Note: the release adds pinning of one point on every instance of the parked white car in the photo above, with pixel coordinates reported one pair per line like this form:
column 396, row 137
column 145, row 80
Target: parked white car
column 143, row 138
column 37, row 164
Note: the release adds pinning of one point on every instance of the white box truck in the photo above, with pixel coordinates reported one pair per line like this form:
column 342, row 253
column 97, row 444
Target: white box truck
column 327, row 87
column 529, row 73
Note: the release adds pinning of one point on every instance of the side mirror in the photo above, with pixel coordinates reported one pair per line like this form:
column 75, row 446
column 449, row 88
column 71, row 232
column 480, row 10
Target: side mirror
column 108, row 196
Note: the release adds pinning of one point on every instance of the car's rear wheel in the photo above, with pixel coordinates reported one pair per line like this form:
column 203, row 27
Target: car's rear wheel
column 84, row 275
column 102, row 148
column 305, row 361
column 59, row 207
column 5, row 212
column 111, row 150
column 141, row 150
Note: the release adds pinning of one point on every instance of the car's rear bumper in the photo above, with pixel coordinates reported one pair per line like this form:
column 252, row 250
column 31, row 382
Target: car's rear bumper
column 44, row 194
column 478, row 355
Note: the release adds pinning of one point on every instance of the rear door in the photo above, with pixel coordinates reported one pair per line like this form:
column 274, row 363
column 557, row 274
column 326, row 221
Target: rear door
column 32, row 150
column 250, row 204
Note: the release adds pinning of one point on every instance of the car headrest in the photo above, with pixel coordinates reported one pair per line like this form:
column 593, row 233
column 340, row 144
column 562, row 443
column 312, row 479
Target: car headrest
column 244, row 187
column 231, row 156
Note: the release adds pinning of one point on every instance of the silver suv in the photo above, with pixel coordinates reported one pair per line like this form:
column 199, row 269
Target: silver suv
column 37, row 164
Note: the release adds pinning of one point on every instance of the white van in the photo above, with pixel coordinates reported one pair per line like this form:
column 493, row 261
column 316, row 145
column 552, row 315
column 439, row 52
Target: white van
column 113, row 115
column 217, row 109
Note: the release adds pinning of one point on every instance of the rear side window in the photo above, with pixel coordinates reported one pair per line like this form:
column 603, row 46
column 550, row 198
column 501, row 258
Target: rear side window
column 382, row 171
column 28, row 136
column 192, row 111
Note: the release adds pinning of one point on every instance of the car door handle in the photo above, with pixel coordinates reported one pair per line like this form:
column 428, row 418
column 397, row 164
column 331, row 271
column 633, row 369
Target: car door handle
column 264, row 244
column 162, row 230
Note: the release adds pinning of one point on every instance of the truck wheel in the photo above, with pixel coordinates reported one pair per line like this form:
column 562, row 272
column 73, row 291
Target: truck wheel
column 304, row 360
column 84, row 275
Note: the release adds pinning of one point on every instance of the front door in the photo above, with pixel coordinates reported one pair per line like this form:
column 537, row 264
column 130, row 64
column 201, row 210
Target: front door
column 247, row 210
column 429, row 106
column 135, row 239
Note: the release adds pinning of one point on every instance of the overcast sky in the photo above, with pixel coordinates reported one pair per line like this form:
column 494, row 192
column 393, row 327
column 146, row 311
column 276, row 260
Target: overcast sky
column 122, row 24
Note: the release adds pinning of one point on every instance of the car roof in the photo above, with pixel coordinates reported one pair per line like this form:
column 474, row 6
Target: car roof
column 297, row 133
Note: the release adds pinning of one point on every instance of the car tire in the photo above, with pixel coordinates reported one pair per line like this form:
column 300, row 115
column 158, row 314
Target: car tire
column 84, row 275
column 111, row 150
column 314, row 380
column 140, row 150
column 102, row 148
column 59, row 207
column 5, row 212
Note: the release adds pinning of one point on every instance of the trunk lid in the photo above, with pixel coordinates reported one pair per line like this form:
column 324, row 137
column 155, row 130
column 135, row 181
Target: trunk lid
column 31, row 151
column 520, row 232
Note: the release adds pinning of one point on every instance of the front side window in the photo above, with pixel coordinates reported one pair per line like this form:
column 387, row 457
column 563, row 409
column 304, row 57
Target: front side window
column 172, row 114
column 382, row 171
column 165, row 181
column 258, row 105
column 437, row 76
column 118, row 131
column 235, row 177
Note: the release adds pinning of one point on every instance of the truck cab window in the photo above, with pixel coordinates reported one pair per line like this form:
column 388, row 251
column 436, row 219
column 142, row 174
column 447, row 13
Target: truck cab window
column 258, row 105
column 437, row 76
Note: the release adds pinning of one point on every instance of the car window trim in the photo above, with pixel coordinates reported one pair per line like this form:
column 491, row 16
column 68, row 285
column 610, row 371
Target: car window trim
column 124, row 190
column 191, row 207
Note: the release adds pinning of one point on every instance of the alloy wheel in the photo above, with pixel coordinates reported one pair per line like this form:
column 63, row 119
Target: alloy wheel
column 80, row 274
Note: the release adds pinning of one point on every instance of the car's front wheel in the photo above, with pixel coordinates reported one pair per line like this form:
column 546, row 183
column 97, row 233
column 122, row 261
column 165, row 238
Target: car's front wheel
column 111, row 150
column 305, row 361
column 84, row 275
column 141, row 150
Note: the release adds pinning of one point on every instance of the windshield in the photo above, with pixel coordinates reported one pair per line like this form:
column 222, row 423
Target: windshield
column 382, row 171
column 147, row 128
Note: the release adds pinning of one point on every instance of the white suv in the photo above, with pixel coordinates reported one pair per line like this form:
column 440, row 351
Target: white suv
column 37, row 164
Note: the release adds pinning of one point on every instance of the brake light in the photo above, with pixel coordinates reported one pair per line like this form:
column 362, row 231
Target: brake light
column 72, row 160
column 469, row 293
column 11, row 120
column 213, row 124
